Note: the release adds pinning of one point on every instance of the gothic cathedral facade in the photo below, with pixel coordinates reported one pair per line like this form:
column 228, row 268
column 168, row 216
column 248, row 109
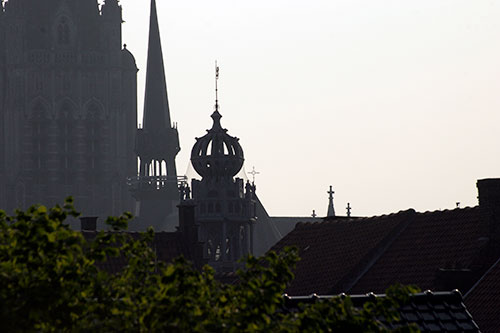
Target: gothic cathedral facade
column 68, row 106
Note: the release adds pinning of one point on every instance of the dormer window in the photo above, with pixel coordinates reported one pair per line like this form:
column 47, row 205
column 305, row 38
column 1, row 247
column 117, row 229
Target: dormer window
column 63, row 32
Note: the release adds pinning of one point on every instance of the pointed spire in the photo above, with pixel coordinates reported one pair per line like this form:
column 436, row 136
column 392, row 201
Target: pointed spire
column 331, row 210
column 156, row 110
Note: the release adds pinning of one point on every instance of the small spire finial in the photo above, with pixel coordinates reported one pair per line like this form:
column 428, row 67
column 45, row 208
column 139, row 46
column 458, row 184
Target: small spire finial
column 216, row 87
column 314, row 214
column 331, row 210
column 348, row 208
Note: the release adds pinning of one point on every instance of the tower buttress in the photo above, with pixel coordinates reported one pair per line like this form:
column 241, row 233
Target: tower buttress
column 157, row 143
column 111, row 14
column 65, row 114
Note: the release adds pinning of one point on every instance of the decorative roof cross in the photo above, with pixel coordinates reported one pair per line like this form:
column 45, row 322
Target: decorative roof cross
column 314, row 213
column 348, row 208
column 253, row 173
column 331, row 192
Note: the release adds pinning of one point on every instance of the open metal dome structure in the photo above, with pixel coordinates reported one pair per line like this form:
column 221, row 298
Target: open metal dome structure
column 217, row 155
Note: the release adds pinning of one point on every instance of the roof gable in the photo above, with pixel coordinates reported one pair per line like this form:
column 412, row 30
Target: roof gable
column 334, row 252
column 371, row 254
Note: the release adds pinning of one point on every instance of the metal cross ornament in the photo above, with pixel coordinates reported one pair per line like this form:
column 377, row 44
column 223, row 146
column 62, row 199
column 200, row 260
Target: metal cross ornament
column 253, row 173
column 348, row 208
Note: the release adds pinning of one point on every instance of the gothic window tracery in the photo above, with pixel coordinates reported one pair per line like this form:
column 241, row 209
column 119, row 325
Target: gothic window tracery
column 63, row 32
column 66, row 143
column 95, row 144
column 38, row 124
column 36, row 79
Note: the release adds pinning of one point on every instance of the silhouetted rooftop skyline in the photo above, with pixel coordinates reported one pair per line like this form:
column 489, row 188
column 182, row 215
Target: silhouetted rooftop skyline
column 394, row 104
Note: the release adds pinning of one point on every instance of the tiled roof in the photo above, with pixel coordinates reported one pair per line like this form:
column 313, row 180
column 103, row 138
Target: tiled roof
column 331, row 252
column 483, row 300
column 167, row 245
column 432, row 241
column 441, row 312
column 370, row 254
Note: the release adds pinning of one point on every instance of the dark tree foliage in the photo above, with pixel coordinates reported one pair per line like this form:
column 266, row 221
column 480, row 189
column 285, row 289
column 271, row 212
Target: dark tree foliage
column 50, row 281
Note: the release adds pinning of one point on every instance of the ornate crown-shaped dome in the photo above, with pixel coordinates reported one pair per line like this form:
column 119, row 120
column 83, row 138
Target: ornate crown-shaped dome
column 217, row 154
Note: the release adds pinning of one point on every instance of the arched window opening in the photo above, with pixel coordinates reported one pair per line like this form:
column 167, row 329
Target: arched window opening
column 209, row 149
column 209, row 248
column 218, row 253
column 66, row 143
column 163, row 168
column 39, row 128
column 63, row 32
column 228, row 248
column 96, row 152
column 226, row 149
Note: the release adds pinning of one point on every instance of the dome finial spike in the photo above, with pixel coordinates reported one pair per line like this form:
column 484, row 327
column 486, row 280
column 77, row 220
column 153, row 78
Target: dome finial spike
column 216, row 87
column 216, row 116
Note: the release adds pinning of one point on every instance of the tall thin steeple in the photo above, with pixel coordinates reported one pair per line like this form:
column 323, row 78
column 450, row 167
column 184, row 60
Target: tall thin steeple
column 157, row 144
column 156, row 109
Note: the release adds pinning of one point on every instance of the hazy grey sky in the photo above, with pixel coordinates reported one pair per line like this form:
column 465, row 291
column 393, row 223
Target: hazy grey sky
column 394, row 103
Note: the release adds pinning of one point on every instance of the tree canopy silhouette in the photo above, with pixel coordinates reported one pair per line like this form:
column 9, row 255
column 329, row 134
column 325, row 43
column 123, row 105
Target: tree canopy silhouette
column 50, row 280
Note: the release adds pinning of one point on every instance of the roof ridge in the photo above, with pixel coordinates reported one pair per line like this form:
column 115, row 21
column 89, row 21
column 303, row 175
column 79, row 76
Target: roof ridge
column 356, row 219
column 467, row 208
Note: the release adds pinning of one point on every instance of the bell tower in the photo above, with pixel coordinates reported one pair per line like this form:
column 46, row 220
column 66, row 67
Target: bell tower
column 68, row 114
column 155, row 187
column 225, row 206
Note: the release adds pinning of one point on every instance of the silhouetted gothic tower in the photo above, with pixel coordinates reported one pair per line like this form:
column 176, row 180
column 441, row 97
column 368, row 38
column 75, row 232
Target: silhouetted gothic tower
column 225, row 206
column 155, row 188
column 68, row 105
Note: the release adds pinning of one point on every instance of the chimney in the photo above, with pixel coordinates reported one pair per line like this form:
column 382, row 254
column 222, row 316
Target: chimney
column 188, row 228
column 489, row 193
column 186, row 216
column 88, row 223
